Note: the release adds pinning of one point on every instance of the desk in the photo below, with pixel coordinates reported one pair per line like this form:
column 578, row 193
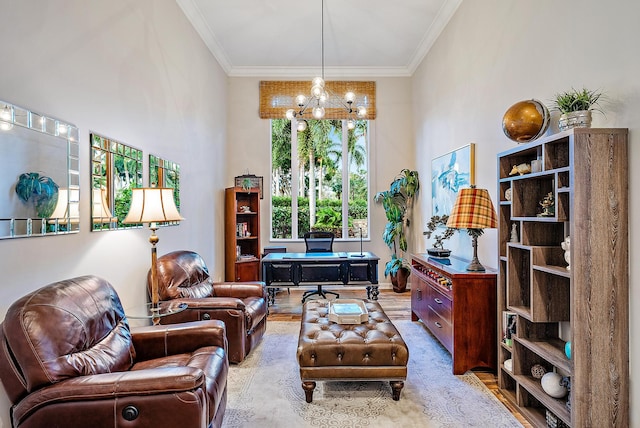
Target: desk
column 295, row 269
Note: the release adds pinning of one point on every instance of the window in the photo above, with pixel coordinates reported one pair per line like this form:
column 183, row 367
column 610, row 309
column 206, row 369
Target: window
column 326, row 168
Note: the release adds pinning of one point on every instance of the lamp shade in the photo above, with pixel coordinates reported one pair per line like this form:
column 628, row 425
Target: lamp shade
column 473, row 210
column 152, row 204
column 67, row 208
column 100, row 210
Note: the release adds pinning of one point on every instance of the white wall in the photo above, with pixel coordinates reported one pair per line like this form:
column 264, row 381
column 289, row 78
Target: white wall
column 135, row 71
column 392, row 149
column 495, row 53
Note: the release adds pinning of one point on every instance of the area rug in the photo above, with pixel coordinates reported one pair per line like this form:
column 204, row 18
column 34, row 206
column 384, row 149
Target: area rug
column 265, row 390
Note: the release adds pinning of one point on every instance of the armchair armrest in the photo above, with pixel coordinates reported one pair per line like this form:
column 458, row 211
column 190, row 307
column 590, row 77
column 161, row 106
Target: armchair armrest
column 240, row 290
column 224, row 303
column 111, row 386
column 162, row 340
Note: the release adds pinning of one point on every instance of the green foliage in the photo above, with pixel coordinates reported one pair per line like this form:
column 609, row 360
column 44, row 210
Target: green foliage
column 42, row 189
column 575, row 100
column 396, row 202
column 393, row 265
column 435, row 222
column 122, row 205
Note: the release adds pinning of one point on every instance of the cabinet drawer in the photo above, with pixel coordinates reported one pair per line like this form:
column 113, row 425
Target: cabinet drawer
column 439, row 303
column 440, row 328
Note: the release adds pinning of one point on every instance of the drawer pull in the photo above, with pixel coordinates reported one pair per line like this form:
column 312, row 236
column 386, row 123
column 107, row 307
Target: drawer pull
column 438, row 324
column 438, row 301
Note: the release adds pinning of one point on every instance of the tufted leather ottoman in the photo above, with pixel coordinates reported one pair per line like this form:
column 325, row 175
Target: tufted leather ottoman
column 369, row 351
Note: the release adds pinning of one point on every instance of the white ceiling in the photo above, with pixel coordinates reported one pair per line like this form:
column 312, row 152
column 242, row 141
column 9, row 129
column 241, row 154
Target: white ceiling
column 283, row 38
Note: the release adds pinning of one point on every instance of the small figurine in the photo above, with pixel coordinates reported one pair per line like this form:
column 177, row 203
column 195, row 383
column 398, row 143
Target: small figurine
column 566, row 246
column 514, row 233
column 548, row 206
column 522, row 169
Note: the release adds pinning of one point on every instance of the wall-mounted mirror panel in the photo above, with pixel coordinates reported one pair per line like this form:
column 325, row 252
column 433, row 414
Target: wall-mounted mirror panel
column 164, row 173
column 39, row 178
column 116, row 168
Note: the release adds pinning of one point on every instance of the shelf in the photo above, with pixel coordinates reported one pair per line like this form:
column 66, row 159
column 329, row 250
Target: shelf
column 551, row 350
column 553, row 270
column 555, row 405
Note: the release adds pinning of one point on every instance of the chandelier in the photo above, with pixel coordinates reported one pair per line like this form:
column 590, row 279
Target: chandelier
column 321, row 97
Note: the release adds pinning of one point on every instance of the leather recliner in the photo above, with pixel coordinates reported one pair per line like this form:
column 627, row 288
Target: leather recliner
column 183, row 277
column 69, row 359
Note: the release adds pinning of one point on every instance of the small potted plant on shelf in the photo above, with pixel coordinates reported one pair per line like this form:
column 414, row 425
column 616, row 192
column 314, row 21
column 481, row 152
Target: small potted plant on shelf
column 397, row 203
column 438, row 249
column 575, row 107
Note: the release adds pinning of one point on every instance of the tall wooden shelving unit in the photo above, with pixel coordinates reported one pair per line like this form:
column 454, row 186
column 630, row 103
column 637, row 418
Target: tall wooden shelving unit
column 242, row 230
column 586, row 170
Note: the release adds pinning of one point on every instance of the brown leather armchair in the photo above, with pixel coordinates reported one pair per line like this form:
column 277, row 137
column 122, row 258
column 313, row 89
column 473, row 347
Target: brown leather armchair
column 183, row 277
column 69, row 359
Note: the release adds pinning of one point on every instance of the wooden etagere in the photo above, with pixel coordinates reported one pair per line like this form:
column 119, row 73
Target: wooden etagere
column 586, row 172
column 242, row 234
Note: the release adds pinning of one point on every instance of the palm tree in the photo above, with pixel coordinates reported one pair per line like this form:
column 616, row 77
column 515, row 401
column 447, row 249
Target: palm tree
column 281, row 156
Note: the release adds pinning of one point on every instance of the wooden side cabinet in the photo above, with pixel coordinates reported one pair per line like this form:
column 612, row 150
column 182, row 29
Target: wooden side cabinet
column 458, row 307
column 242, row 234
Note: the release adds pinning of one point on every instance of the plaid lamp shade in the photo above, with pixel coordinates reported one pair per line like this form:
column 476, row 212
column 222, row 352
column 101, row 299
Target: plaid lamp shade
column 473, row 210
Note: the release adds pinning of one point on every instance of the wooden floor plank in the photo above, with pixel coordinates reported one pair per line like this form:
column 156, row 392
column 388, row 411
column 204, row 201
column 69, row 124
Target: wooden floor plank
column 397, row 306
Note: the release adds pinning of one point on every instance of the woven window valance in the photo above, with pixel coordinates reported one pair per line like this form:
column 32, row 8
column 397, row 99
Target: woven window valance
column 276, row 96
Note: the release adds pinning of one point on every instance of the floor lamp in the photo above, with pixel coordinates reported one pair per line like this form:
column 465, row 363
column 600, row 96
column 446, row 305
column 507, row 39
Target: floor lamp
column 473, row 210
column 152, row 205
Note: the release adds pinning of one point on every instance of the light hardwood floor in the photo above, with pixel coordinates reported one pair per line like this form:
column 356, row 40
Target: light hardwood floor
column 397, row 306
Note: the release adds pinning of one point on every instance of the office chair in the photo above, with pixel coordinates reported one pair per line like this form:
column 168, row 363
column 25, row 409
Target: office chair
column 318, row 242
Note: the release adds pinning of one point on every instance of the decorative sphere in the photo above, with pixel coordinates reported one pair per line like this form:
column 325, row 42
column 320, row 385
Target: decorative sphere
column 525, row 121
column 508, row 364
column 551, row 384
column 537, row 371
column 567, row 350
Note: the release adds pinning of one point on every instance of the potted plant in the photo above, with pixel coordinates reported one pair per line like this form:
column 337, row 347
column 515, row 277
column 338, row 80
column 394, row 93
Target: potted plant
column 438, row 249
column 575, row 107
column 397, row 203
column 42, row 189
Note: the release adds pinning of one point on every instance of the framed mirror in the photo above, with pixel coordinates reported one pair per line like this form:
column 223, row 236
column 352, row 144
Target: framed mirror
column 164, row 173
column 39, row 179
column 116, row 168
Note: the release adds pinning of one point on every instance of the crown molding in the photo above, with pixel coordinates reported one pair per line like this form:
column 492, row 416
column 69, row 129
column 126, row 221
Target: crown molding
column 309, row 72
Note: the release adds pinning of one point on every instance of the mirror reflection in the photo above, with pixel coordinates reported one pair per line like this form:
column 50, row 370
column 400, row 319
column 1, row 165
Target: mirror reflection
column 164, row 173
column 39, row 179
column 116, row 168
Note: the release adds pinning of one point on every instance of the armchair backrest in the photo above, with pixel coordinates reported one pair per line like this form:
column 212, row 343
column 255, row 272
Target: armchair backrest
column 66, row 329
column 182, row 274
column 319, row 241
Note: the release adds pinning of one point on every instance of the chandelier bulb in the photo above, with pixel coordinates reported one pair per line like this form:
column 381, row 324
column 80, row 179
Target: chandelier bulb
column 319, row 81
column 302, row 125
column 351, row 124
column 291, row 113
column 349, row 97
column 317, row 91
column 301, row 100
column 361, row 111
column 318, row 112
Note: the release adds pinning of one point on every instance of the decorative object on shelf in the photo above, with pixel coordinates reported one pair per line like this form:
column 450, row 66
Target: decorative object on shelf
column 473, row 211
column 322, row 97
column 553, row 421
column 508, row 364
column 509, row 320
column 566, row 246
column 536, row 165
column 514, row 233
column 152, row 205
column 567, row 349
column 522, row 169
column 438, row 249
column 245, row 209
column 548, row 206
column 249, row 181
column 507, row 194
column 566, row 382
column 575, row 107
column 537, row 371
column 450, row 173
column 41, row 189
column 525, row 121
column 552, row 384
column 397, row 203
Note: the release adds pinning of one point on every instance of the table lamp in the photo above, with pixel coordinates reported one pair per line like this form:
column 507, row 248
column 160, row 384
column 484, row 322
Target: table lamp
column 152, row 205
column 67, row 210
column 473, row 210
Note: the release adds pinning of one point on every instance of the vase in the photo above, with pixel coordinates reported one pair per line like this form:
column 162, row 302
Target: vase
column 399, row 280
column 575, row 119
